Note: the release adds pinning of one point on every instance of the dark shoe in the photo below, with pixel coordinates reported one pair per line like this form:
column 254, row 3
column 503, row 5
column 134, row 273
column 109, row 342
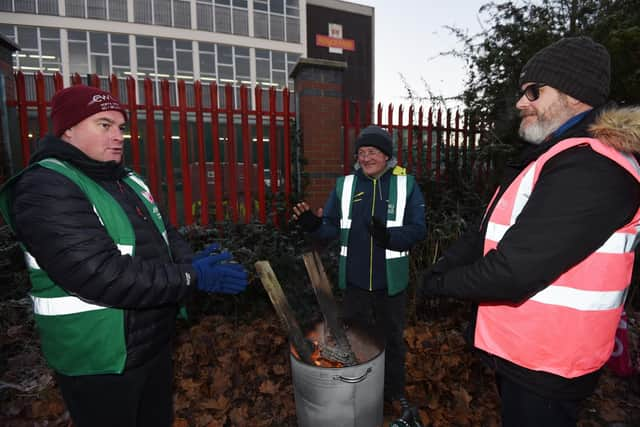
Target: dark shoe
column 409, row 417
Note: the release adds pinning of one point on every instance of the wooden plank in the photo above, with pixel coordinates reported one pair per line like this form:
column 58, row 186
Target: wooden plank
column 283, row 309
column 322, row 288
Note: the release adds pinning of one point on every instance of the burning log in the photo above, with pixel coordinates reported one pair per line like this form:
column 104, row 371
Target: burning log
column 342, row 351
column 284, row 311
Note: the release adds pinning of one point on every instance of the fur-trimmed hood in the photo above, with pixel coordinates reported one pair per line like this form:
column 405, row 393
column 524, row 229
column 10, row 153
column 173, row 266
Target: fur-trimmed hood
column 619, row 128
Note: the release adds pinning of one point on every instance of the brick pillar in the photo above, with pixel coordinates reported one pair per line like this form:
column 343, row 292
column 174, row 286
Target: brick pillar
column 318, row 92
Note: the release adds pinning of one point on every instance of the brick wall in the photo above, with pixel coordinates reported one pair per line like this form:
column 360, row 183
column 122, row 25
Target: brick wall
column 319, row 93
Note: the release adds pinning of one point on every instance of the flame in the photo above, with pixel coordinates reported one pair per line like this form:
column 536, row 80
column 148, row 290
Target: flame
column 316, row 356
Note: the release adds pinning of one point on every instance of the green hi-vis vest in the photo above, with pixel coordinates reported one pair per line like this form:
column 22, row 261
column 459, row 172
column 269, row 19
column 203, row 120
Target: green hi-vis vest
column 397, row 263
column 79, row 337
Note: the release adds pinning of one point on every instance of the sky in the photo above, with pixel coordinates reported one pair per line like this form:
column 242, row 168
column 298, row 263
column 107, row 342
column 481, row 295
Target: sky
column 409, row 36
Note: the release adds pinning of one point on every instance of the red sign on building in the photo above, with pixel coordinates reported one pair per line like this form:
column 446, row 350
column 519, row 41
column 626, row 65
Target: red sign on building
column 334, row 40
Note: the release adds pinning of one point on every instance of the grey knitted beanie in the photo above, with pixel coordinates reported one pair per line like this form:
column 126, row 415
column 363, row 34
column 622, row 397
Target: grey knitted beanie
column 375, row 136
column 576, row 66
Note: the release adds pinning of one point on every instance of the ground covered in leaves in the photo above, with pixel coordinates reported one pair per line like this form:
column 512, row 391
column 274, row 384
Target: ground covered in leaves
column 234, row 372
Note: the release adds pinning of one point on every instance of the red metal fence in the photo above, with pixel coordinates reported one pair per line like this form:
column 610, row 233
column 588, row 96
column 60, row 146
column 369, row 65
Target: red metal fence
column 206, row 152
column 428, row 143
column 235, row 158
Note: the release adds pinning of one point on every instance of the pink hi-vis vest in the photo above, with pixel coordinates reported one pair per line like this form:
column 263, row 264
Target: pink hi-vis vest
column 569, row 327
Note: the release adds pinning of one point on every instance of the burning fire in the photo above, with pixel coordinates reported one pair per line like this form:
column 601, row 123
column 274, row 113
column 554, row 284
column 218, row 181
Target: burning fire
column 316, row 357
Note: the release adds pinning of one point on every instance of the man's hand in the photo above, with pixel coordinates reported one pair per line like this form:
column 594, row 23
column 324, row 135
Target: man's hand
column 308, row 220
column 217, row 275
column 379, row 232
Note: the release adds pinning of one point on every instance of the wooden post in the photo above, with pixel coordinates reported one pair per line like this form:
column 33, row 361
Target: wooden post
column 322, row 289
column 283, row 309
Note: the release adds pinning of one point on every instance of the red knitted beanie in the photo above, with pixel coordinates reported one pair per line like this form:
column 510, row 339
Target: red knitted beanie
column 75, row 103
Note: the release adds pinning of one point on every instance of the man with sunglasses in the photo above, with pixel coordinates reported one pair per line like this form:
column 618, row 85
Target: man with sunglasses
column 551, row 262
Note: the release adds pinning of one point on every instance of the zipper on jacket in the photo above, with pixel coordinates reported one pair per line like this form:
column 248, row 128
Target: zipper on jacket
column 373, row 210
column 135, row 202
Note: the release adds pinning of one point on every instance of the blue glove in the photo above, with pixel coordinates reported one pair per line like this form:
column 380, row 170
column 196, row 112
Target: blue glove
column 214, row 275
column 214, row 247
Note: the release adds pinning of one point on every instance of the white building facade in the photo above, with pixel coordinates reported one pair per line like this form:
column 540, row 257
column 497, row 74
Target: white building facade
column 237, row 42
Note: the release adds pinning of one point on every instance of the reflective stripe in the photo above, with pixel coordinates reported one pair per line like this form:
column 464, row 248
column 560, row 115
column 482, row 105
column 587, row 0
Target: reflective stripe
column 496, row 231
column 579, row 299
column 389, row 254
column 61, row 306
column 30, row 261
column 165, row 236
column 55, row 161
column 98, row 215
column 125, row 249
column 524, row 191
column 618, row 243
column 345, row 202
column 632, row 161
column 138, row 181
column 32, row 264
column 343, row 251
column 401, row 201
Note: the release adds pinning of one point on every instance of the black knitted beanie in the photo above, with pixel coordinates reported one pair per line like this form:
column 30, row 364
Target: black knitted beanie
column 375, row 136
column 576, row 66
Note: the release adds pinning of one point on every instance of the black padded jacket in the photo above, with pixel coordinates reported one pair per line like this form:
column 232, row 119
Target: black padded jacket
column 580, row 198
column 57, row 224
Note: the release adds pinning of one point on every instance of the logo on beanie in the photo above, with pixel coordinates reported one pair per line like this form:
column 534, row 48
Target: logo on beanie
column 105, row 102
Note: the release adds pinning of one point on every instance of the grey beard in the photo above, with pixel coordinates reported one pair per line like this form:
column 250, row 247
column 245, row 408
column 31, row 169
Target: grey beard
column 537, row 132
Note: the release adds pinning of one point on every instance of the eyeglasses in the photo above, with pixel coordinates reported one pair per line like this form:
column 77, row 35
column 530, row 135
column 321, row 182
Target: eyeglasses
column 363, row 154
column 532, row 92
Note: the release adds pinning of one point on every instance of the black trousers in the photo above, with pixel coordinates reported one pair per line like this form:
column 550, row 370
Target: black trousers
column 523, row 408
column 386, row 316
column 139, row 397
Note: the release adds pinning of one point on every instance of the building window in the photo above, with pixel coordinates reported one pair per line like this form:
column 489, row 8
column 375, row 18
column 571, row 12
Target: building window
column 75, row 8
column 42, row 7
column 207, row 61
column 223, row 16
column 273, row 67
column 143, row 11
column 276, row 27
column 181, row 14
column 78, row 52
column 99, row 54
column 118, row 10
column 113, row 10
column 277, row 20
column 243, row 72
column 170, row 13
column 120, row 63
column 97, row 9
column 25, row 6
column 164, row 59
column 40, row 48
column 204, row 11
column 240, row 17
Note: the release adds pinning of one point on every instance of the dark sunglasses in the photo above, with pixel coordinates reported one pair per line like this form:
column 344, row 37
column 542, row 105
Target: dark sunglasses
column 532, row 92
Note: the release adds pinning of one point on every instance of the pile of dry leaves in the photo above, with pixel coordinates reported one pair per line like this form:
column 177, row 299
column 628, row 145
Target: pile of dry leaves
column 236, row 373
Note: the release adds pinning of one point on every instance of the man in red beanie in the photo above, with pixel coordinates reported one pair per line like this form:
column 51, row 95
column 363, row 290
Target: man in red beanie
column 107, row 271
